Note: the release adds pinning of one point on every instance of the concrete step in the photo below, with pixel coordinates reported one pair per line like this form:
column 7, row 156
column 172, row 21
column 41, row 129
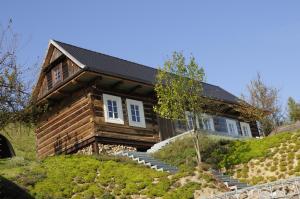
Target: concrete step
column 228, row 181
column 146, row 159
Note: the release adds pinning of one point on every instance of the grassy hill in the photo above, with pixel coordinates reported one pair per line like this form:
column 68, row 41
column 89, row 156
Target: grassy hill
column 254, row 161
column 79, row 176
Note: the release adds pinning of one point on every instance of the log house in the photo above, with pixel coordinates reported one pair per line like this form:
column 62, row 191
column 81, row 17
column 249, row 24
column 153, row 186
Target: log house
column 96, row 98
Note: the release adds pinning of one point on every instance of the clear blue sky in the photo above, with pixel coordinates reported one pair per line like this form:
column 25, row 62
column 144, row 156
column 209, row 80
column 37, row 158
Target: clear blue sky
column 232, row 40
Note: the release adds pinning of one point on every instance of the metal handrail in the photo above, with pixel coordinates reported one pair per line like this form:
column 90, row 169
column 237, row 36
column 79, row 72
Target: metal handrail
column 268, row 187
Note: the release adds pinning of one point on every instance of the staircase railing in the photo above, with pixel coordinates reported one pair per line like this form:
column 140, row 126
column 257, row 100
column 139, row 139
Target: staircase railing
column 279, row 189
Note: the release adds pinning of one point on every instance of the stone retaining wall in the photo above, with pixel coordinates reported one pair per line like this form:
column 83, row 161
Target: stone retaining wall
column 108, row 149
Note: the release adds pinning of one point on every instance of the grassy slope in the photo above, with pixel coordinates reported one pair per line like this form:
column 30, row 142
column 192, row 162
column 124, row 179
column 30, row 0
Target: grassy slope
column 253, row 161
column 23, row 140
column 80, row 176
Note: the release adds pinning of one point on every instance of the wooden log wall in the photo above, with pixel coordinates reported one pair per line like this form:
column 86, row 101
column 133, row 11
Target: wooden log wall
column 150, row 134
column 67, row 125
column 68, row 69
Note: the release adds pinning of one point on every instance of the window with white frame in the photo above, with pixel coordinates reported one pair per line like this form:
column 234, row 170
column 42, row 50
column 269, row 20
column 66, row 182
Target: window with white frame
column 246, row 131
column 190, row 120
column 113, row 109
column 207, row 122
column 135, row 111
column 232, row 127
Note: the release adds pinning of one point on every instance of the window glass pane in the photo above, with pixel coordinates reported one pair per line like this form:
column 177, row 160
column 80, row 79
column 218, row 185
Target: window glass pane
column 132, row 112
column 190, row 122
column 115, row 109
column 110, row 109
column 206, row 124
column 110, row 114
column 114, row 103
column 138, row 119
column 116, row 115
column 137, row 112
column 133, row 118
column 109, row 102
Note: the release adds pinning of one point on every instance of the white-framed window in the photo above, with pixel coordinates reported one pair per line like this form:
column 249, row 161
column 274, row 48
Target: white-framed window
column 113, row 112
column 207, row 122
column 136, row 116
column 189, row 118
column 232, row 127
column 246, row 130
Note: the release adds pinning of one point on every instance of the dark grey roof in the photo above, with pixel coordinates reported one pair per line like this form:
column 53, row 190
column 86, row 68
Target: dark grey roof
column 106, row 64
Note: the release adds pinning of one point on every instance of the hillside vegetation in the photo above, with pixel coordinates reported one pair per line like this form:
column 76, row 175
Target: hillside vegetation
column 253, row 161
column 79, row 176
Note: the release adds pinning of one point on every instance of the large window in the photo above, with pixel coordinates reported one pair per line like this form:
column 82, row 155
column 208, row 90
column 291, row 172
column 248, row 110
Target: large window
column 135, row 111
column 232, row 127
column 208, row 123
column 246, row 131
column 189, row 119
column 113, row 109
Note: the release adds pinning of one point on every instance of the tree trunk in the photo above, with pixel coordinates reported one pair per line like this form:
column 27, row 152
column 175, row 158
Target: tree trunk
column 196, row 140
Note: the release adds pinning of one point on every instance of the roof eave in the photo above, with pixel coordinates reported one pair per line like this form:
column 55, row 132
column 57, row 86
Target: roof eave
column 76, row 61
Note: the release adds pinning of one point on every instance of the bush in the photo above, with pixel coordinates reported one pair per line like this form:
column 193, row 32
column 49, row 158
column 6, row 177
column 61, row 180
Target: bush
column 185, row 192
column 257, row 179
column 273, row 168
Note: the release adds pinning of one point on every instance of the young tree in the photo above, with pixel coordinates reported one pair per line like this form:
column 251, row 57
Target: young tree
column 293, row 110
column 179, row 89
column 14, row 94
column 266, row 99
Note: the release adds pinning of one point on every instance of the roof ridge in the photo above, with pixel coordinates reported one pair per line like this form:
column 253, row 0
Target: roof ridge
column 106, row 55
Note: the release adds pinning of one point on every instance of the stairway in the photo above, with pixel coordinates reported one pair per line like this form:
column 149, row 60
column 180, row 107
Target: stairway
column 231, row 183
column 160, row 145
column 146, row 159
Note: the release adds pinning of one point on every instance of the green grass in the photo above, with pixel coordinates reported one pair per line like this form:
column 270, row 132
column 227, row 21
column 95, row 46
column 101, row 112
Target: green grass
column 79, row 176
column 22, row 139
column 182, row 153
column 224, row 153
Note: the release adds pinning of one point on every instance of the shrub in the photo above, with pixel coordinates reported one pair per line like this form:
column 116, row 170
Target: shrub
column 291, row 156
column 158, row 189
column 268, row 164
column 185, row 192
column 272, row 178
column 282, row 168
column 273, row 168
column 257, row 179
